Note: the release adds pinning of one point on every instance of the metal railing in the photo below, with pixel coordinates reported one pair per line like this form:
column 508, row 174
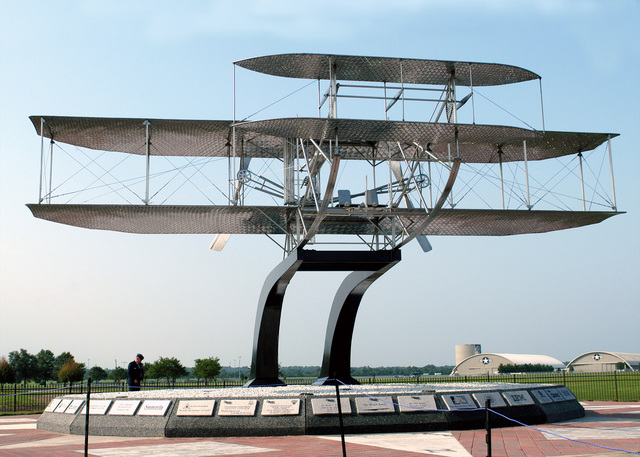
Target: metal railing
column 616, row 386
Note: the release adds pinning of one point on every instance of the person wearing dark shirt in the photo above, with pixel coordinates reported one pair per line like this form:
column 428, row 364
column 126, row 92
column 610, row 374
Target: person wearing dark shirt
column 136, row 373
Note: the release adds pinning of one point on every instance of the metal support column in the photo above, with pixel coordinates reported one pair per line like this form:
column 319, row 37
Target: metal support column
column 336, row 362
column 264, row 361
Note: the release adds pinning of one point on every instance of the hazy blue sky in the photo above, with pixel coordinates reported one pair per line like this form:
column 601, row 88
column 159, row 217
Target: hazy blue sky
column 104, row 296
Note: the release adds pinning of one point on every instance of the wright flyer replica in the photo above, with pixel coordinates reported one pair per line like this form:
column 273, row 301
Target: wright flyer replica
column 355, row 189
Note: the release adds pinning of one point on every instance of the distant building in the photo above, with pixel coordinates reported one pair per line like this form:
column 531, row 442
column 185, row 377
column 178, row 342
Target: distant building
column 480, row 364
column 599, row 361
column 466, row 350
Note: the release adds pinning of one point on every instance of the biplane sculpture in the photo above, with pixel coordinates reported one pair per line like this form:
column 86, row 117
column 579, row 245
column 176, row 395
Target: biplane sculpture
column 406, row 171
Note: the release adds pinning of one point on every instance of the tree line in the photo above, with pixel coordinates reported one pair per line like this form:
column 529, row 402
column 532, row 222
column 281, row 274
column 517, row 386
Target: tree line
column 44, row 366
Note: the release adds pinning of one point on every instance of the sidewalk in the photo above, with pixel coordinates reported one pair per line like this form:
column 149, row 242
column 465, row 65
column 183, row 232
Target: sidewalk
column 613, row 426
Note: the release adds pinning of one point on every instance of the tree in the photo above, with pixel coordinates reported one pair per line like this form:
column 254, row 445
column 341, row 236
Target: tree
column 7, row 374
column 71, row 371
column 61, row 360
column 207, row 368
column 97, row 373
column 46, row 365
column 118, row 373
column 165, row 367
column 24, row 364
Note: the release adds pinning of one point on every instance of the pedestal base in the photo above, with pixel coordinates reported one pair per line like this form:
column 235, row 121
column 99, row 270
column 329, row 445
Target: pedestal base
column 311, row 410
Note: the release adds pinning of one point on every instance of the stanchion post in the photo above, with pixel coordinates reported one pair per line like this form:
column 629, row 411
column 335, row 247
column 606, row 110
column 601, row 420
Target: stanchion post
column 487, row 405
column 86, row 420
column 344, row 446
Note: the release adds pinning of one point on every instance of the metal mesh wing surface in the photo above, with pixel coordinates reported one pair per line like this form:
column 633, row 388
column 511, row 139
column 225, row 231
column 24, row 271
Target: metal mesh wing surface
column 148, row 219
column 387, row 69
column 359, row 138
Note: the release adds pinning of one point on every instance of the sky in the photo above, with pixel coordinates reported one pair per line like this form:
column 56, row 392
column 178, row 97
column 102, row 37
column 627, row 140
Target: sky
column 105, row 296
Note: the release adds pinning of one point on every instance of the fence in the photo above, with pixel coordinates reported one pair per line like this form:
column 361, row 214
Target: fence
column 616, row 386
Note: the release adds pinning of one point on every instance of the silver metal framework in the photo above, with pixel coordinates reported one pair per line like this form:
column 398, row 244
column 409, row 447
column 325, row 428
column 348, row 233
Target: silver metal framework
column 303, row 146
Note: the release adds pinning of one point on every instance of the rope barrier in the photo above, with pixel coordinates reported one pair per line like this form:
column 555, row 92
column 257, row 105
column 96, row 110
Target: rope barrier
column 492, row 411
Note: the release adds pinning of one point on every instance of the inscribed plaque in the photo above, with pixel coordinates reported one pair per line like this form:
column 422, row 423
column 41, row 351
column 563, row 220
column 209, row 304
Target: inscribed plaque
column 237, row 407
column 53, row 405
column 416, row 403
column 554, row 394
column 542, row 396
column 281, row 407
column 154, row 407
column 124, row 407
column 370, row 405
column 566, row 393
column 326, row 406
column 459, row 401
column 97, row 407
column 496, row 399
column 196, row 408
column 64, row 404
column 74, row 407
column 518, row 397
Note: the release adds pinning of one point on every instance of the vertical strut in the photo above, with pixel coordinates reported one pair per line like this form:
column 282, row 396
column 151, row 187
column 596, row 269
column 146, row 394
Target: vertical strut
column 42, row 158
column 148, row 152
column 541, row 105
column 50, row 171
column 473, row 105
column 501, row 176
column 526, row 172
column 613, row 184
column 584, row 205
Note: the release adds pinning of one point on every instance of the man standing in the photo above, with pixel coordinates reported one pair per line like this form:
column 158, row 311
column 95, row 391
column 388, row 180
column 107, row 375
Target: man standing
column 136, row 373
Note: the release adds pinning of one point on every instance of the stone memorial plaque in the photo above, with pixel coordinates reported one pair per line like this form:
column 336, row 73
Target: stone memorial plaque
column 196, row 408
column 416, row 403
column 542, row 396
column 154, row 407
column 237, row 407
column 566, row 393
column 326, row 406
column 53, row 405
column 74, row 407
column 554, row 394
column 97, row 407
column 459, row 401
column 124, row 407
column 281, row 407
column 64, row 404
column 369, row 405
column 496, row 399
column 518, row 397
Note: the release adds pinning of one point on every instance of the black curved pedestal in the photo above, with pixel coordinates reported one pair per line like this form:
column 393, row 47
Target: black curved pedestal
column 367, row 266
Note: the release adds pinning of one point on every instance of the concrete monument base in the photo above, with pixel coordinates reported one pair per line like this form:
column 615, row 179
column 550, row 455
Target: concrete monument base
column 308, row 410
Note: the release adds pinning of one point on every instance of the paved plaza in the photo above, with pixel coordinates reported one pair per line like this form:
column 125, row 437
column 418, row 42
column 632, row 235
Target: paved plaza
column 608, row 429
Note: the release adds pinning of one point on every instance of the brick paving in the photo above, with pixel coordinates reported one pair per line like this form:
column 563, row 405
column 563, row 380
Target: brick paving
column 609, row 425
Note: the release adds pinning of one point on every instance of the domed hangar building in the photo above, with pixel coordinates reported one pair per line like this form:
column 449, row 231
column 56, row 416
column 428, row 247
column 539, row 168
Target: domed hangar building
column 599, row 361
column 480, row 364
